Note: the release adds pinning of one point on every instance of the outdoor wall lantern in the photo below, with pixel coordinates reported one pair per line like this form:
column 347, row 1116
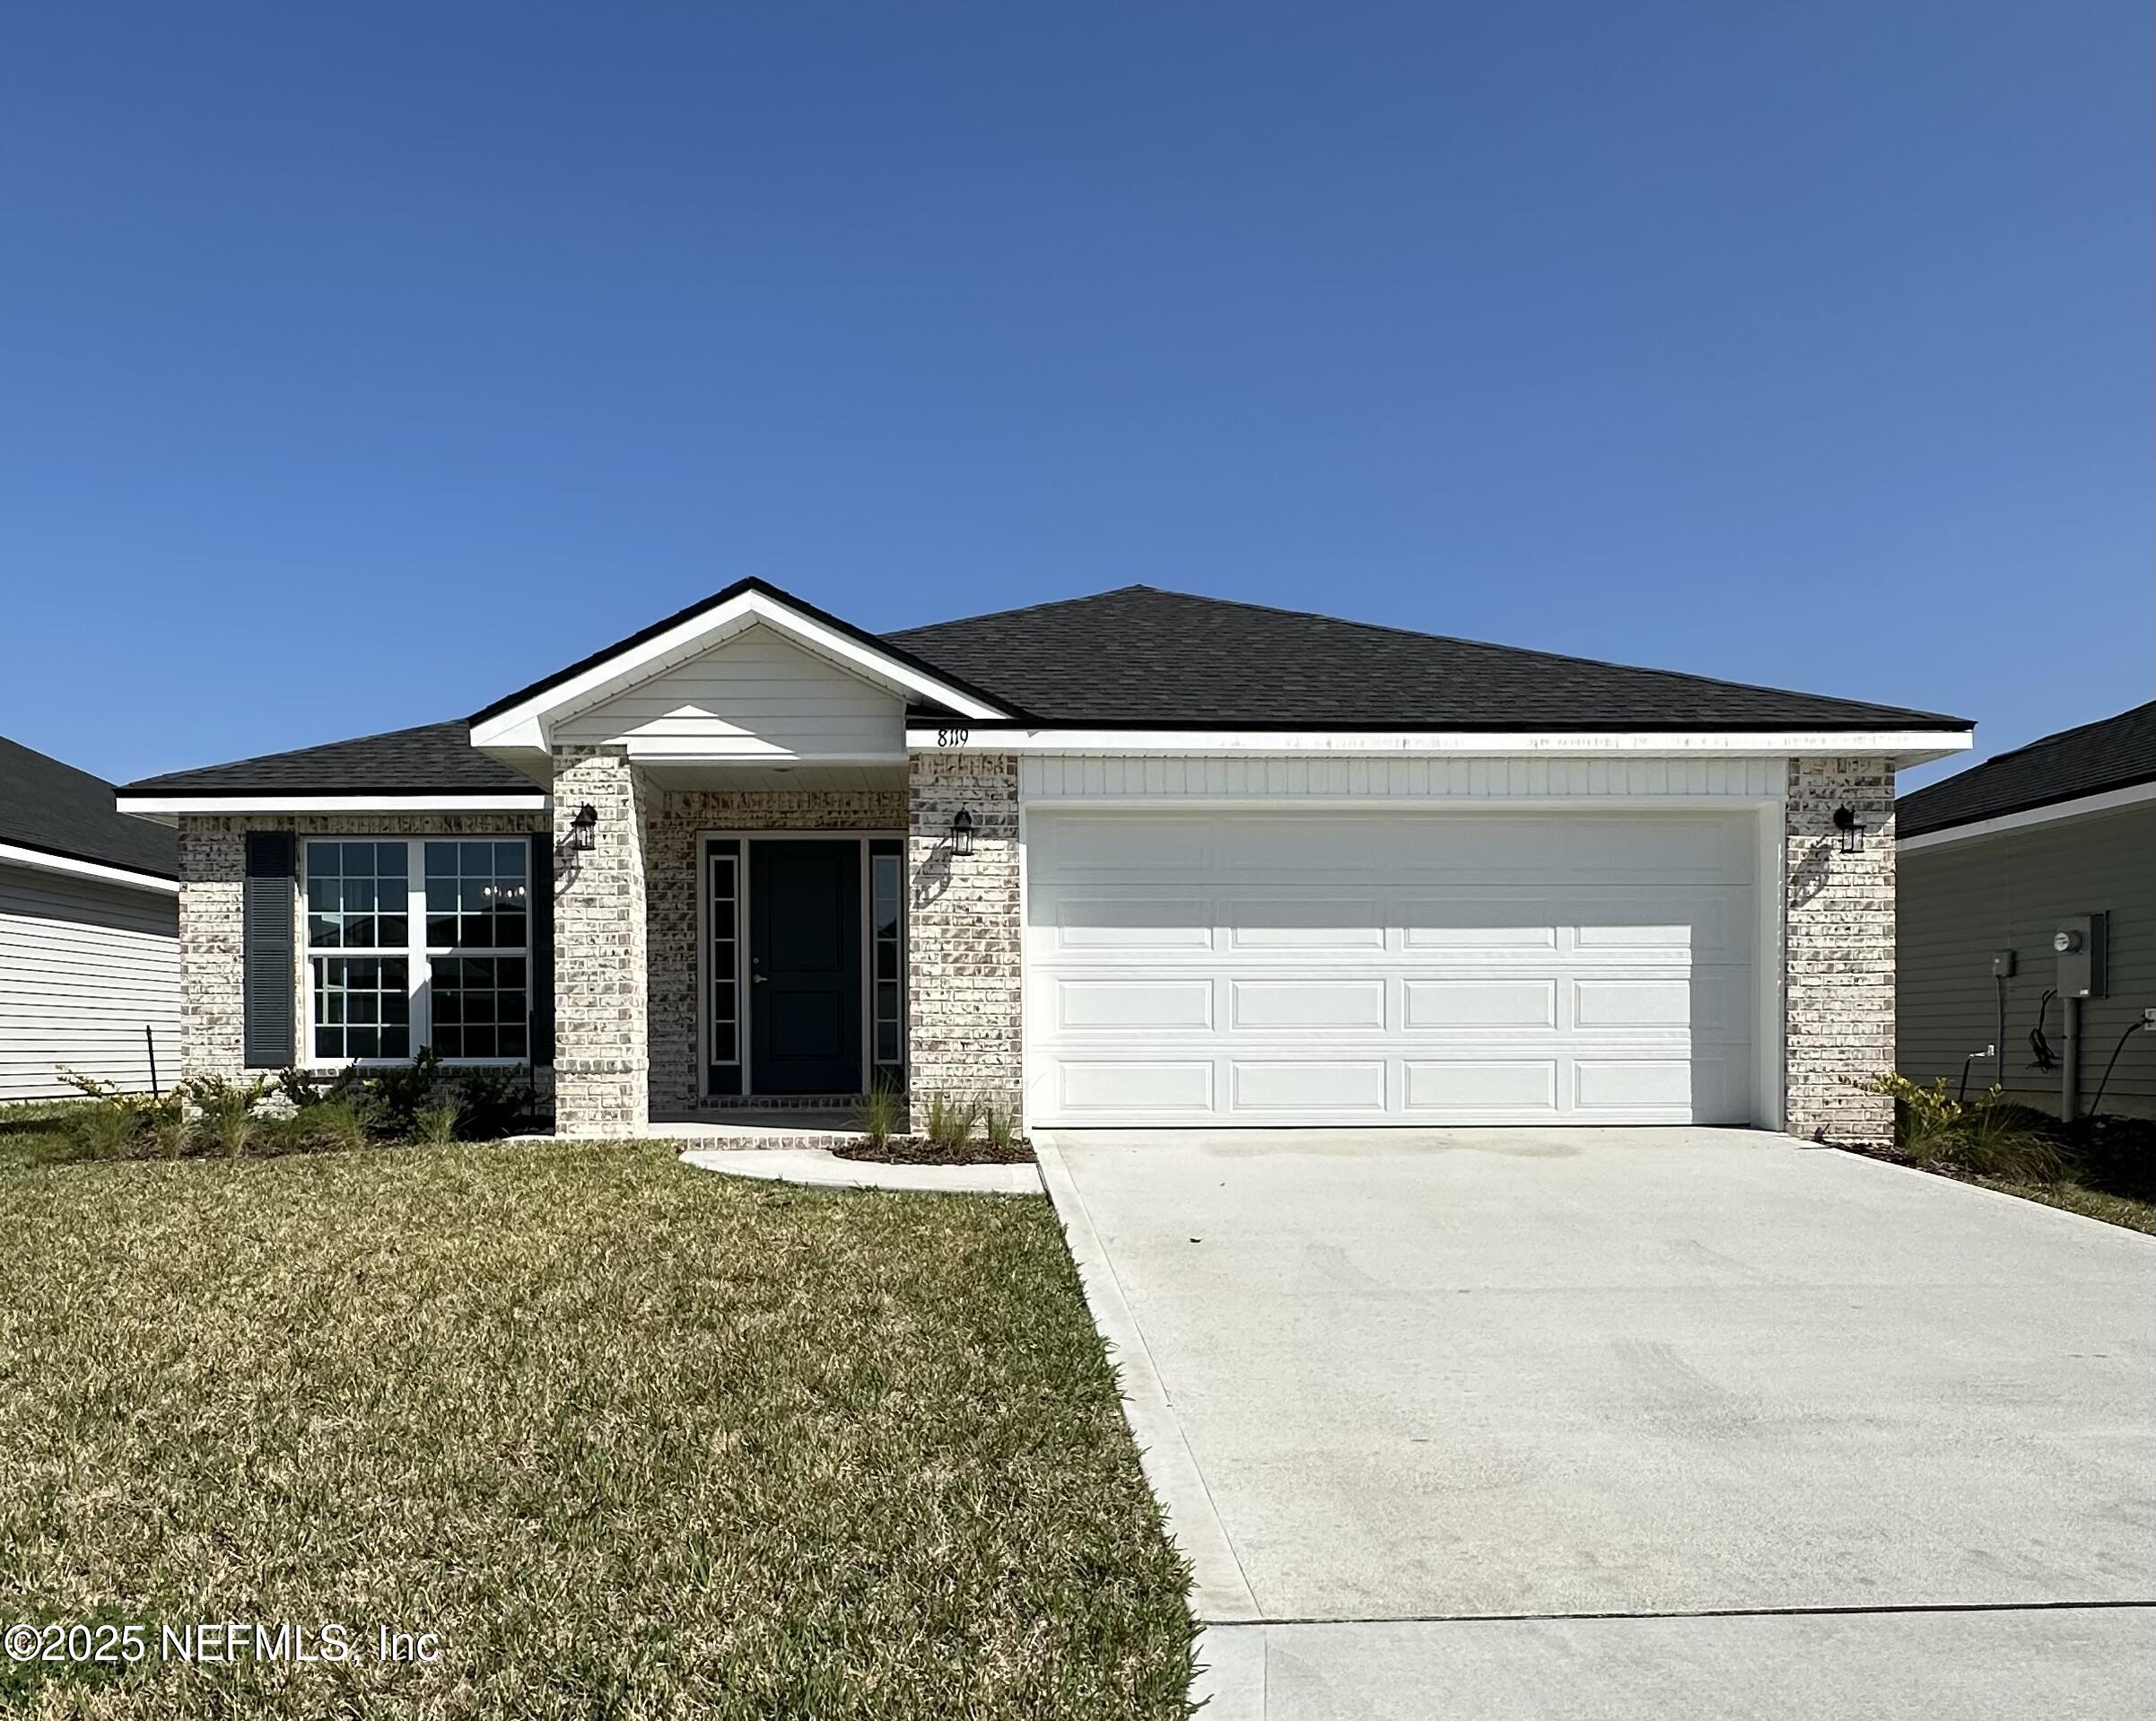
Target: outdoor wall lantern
column 583, row 829
column 1852, row 829
column 961, row 832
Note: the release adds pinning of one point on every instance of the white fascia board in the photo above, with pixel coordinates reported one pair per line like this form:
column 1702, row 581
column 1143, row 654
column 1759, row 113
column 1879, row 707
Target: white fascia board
column 524, row 724
column 221, row 805
column 2110, row 800
column 1677, row 743
column 38, row 861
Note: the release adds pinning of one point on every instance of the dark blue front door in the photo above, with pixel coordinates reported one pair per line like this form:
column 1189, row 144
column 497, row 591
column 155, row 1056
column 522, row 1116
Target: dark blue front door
column 805, row 966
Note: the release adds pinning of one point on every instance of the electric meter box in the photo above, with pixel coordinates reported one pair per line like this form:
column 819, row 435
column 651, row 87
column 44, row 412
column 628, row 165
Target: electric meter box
column 2079, row 943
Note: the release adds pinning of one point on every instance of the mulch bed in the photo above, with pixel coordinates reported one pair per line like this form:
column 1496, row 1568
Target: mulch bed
column 918, row 1150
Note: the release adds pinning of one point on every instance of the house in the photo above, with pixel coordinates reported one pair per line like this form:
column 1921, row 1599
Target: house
column 1998, row 862
column 89, row 934
column 1138, row 858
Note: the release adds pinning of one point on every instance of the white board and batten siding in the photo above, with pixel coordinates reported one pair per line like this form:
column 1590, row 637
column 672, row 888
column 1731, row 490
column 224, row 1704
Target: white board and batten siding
column 758, row 696
column 84, row 968
column 1054, row 776
column 1567, row 941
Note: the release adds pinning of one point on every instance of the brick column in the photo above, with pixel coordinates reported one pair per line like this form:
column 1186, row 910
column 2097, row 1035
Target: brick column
column 212, row 866
column 962, row 953
column 602, row 1056
column 1839, row 939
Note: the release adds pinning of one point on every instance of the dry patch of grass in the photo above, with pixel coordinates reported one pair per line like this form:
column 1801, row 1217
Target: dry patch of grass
column 635, row 1441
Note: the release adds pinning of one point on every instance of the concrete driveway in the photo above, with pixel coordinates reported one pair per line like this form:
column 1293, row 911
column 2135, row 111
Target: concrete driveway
column 1653, row 1422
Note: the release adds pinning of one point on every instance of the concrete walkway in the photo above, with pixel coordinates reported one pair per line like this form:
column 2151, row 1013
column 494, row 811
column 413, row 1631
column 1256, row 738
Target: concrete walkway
column 1653, row 1422
column 822, row 1169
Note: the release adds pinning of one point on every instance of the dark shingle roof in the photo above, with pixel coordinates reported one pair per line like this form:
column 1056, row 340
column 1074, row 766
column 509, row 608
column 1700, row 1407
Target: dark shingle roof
column 432, row 759
column 1140, row 658
column 52, row 806
column 2115, row 753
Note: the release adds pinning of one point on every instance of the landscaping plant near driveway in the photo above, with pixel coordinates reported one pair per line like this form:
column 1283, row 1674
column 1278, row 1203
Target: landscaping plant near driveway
column 2101, row 1167
column 631, row 1440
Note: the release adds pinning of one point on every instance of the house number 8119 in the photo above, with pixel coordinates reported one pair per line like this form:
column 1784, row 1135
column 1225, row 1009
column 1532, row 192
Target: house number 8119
column 950, row 735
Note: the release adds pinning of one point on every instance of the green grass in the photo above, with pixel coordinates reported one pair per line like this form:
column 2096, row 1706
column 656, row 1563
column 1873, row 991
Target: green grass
column 2133, row 1214
column 635, row 1440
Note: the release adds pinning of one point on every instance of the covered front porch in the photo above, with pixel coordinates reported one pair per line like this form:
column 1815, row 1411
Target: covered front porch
column 745, row 950
column 761, row 895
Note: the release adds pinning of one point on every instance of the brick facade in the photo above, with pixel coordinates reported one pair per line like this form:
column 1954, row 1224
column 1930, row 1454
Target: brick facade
column 628, row 1036
column 213, row 865
column 601, row 1055
column 673, row 820
column 962, row 964
column 1839, row 940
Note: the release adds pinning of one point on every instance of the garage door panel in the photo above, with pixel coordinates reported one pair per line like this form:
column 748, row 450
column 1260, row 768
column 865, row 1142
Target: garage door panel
column 1632, row 1003
column 1121, row 1005
column 1335, row 1087
column 1120, row 1088
column 1306, row 1003
column 1613, row 1084
column 1425, row 968
column 1481, row 1085
column 1130, row 924
column 1480, row 1003
column 1305, row 922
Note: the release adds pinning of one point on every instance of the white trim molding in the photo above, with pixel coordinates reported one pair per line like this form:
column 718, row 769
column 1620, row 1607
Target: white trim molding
column 526, row 725
column 217, row 805
column 38, row 861
column 1907, row 746
column 2108, row 800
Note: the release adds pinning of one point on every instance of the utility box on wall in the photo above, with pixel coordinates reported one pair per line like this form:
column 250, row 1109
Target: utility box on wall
column 2080, row 945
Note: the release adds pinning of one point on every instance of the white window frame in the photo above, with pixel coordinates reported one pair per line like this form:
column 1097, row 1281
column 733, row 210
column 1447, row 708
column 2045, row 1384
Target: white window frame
column 418, row 959
column 744, row 1041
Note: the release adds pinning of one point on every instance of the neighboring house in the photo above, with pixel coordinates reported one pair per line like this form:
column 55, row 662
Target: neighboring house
column 89, row 933
column 1995, row 862
column 1132, row 859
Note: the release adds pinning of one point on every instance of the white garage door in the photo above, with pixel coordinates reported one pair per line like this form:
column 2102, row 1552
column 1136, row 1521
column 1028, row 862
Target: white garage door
column 1448, row 967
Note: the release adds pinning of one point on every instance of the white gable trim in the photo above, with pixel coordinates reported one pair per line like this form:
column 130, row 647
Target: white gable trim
column 524, row 724
column 2081, row 807
column 38, row 861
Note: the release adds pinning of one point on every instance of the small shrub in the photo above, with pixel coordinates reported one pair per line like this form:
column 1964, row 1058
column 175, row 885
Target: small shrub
column 1999, row 1139
column 491, row 1102
column 299, row 1087
column 117, row 1120
column 882, row 1114
column 999, row 1125
column 106, row 1129
column 397, row 1094
column 171, row 1133
column 1923, row 1115
column 331, row 1125
column 226, row 1118
column 950, row 1122
column 436, row 1124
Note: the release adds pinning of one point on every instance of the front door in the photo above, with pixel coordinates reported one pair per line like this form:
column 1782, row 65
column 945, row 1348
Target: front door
column 805, row 966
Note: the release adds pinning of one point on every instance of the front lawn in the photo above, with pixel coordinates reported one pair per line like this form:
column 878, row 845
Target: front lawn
column 634, row 1440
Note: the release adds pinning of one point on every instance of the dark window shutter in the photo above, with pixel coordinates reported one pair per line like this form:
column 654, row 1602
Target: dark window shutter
column 542, row 950
column 267, row 976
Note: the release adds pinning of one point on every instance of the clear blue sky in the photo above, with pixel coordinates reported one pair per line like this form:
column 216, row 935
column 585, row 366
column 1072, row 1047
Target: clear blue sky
column 363, row 363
